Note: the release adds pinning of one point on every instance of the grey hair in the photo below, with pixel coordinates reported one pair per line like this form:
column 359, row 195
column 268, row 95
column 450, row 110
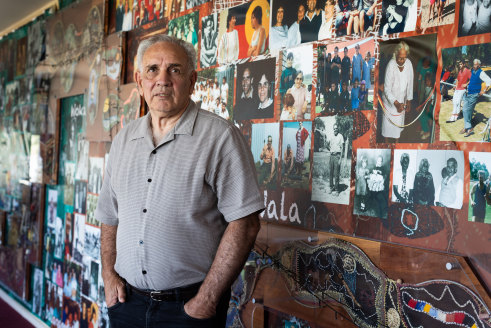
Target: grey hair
column 477, row 61
column 401, row 45
column 186, row 46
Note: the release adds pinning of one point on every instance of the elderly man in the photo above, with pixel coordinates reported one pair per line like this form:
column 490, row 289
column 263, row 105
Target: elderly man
column 336, row 146
column 403, row 181
column 398, row 92
column 450, row 191
column 474, row 91
column 179, row 203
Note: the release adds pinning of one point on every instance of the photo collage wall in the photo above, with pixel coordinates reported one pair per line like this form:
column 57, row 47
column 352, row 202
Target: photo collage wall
column 364, row 118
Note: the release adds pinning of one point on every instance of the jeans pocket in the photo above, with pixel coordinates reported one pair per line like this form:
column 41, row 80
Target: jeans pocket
column 187, row 316
column 115, row 306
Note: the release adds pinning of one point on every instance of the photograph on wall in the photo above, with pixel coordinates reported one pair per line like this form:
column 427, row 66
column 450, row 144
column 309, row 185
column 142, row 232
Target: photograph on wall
column 59, row 234
column 82, row 167
column 68, row 188
column 68, row 236
column 71, row 280
column 94, row 279
column 194, row 3
column 50, row 300
column 265, row 142
column 398, row 16
column 331, row 174
column 79, row 205
column 254, row 97
column 145, row 12
column 424, row 189
column 12, row 95
column 78, row 237
column 406, row 87
column 474, row 17
column 89, row 313
column 295, row 161
column 447, row 172
column 214, row 90
column 466, row 99
column 209, row 41
column 243, row 31
column 404, row 175
column 296, row 80
column 437, row 13
column 480, row 187
column 37, row 291
column 71, row 313
column 21, row 59
column 372, row 182
column 186, row 28
column 345, row 84
column 124, row 15
column 92, row 243
column 34, row 224
column 52, row 207
column 57, row 273
column 85, row 289
column 96, row 167
column 91, row 206
column 357, row 17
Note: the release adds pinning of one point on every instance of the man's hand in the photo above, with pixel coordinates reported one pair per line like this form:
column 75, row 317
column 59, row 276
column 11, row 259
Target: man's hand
column 199, row 309
column 114, row 289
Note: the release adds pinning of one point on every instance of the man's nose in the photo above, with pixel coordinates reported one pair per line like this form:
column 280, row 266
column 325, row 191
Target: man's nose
column 163, row 78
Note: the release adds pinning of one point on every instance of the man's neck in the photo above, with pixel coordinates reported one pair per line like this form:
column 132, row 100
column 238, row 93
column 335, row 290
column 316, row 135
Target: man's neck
column 162, row 124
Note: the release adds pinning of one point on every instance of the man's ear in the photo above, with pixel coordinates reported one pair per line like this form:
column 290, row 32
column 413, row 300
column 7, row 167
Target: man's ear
column 193, row 77
column 138, row 79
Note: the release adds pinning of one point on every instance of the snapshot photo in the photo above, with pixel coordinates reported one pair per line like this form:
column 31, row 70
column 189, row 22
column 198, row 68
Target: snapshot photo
column 91, row 206
column 437, row 12
column 186, row 28
column 209, row 41
column 331, row 175
column 480, row 187
column 96, row 169
column 403, row 176
column 372, row 182
column 254, row 97
column 465, row 84
column 78, row 237
column 295, row 160
column 37, row 291
column 345, row 77
column 52, row 207
column 474, row 17
column 296, row 81
column 398, row 16
column 143, row 12
column 92, row 244
column 265, row 142
column 79, row 204
column 406, row 90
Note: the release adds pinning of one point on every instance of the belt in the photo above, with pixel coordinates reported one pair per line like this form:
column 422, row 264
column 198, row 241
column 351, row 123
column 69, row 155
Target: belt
column 169, row 295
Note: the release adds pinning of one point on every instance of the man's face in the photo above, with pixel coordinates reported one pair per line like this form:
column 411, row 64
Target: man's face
column 224, row 80
column 301, row 12
column 333, row 86
column 270, row 142
column 461, row 64
column 246, row 81
column 262, row 89
column 335, row 52
column 289, row 62
column 345, row 52
column 311, row 4
column 165, row 79
column 401, row 57
column 476, row 66
column 451, row 169
column 335, row 129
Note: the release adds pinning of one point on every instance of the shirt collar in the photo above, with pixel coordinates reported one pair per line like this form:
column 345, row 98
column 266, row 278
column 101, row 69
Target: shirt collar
column 185, row 125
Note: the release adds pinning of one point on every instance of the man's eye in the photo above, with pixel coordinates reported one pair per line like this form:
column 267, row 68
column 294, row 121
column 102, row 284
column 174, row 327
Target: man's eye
column 175, row 70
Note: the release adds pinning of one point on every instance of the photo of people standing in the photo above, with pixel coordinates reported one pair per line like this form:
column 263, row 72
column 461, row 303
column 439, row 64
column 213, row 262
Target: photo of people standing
column 146, row 11
column 398, row 16
column 345, row 82
column 296, row 79
column 124, row 15
column 186, row 28
column 254, row 98
column 372, row 182
column 209, row 41
column 332, row 159
column 295, row 160
column 406, row 92
column 265, row 141
column 465, row 88
column 480, row 187
column 474, row 17
column 243, row 31
column 437, row 12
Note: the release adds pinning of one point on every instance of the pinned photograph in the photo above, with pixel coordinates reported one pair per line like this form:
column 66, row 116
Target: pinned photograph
column 404, row 175
column 214, row 90
column 124, row 15
column 37, row 291
column 186, row 28
column 94, row 278
column 89, row 313
column 194, row 3
column 296, row 81
column 474, row 17
column 209, row 41
column 82, row 167
column 78, row 237
column 345, row 84
column 72, row 279
column 295, row 161
column 69, row 181
column 243, row 31
column 480, row 187
column 91, row 206
column 356, row 17
column 92, row 246
column 145, row 12
column 398, row 16
column 79, row 205
column 59, row 234
column 255, row 92
column 465, row 89
column 264, row 146
column 372, row 182
column 70, row 314
column 331, row 173
column 437, row 13
column 96, row 167
column 406, row 87
column 52, row 208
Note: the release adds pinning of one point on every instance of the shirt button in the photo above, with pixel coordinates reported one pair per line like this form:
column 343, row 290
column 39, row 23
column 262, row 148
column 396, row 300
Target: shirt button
column 149, row 180
column 144, row 271
column 141, row 242
column 154, row 152
column 144, row 210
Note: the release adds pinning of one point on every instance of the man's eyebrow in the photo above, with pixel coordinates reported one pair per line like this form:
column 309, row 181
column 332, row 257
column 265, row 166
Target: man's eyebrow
column 175, row 65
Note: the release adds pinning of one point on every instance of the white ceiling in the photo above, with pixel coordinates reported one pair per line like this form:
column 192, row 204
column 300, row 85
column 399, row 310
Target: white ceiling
column 15, row 13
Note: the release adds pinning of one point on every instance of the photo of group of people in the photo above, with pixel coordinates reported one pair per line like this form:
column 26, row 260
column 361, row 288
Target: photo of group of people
column 465, row 98
column 254, row 97
column 186, row 28
column 407, row 74
column 474, row 17
column 345, row 83
column 296, row 83
column 214, row 90
column 428, row 177
column 480, row 187
column 243, row 31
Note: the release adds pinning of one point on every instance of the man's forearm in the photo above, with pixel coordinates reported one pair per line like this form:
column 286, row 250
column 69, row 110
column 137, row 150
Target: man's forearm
column 108, row 249
column 234, row 248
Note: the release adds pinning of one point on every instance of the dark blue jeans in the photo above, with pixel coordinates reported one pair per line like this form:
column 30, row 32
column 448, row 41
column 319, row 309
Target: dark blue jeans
column 139, row 311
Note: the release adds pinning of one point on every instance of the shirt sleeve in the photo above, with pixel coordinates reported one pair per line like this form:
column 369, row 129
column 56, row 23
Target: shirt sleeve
column 485, row 78
column 234, row 177
column 107, row 205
